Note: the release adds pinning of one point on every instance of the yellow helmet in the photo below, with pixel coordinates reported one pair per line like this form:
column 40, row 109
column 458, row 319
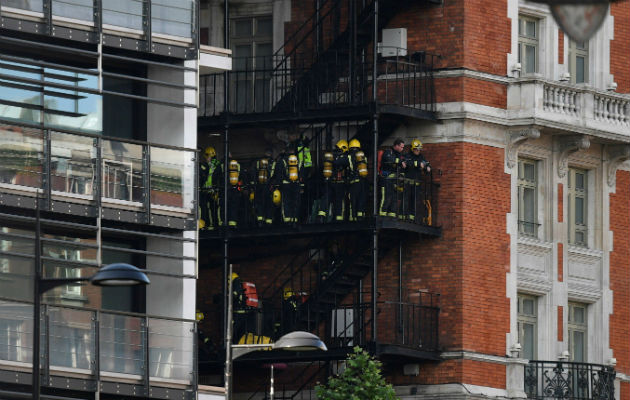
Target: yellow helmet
column 234, row 275
column 210, row 152
column 342, row 145
column 287, row 292
column 251, row 196
column 276, row 197
column 202, row 224
column 355, row 144
column 199, row 316
column 416, row 144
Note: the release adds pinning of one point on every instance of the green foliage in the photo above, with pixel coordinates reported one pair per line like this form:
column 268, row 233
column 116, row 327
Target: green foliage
column 361, row 380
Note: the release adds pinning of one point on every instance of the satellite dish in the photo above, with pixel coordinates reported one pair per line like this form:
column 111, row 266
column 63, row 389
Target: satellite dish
column 579, row 21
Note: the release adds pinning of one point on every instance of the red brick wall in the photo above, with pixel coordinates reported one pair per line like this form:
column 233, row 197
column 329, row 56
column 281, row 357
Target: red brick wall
column 471, row 90
column 560, row 202
column 619, row 272
column 560, row 323
column 620, row 46
column 560, row 46
column 560, row 262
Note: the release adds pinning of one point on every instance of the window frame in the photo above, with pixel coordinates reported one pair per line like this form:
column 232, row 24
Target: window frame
column 574, row 53
column 573, row 194
column 525, row 40
column 577, row 327
column 523, row 319
column 522, row 184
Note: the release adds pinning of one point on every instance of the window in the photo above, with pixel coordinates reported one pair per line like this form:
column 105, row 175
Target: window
column 578, row 61
column 251, row 40
column 527, row 197
column 577, row 328
column 577, row 207
column 527, row 325
column 528, row 44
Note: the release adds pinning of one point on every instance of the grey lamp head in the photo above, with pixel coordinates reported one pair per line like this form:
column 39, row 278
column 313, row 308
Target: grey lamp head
column 119, row 274
column 300, row 341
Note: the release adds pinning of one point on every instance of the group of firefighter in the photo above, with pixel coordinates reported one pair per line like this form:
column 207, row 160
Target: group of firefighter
column 278, row 184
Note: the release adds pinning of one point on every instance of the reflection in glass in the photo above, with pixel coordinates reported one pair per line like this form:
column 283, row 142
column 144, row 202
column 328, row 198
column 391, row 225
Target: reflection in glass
column 29, row 5
column 71, row 338
column 172, row 17
column 122, row 343
column 171, row 351
column 16, row 331
column 172, row 177
column 122, row 171
column 72, row 163
column 75, row 9
column 21, row 155
column 123, row 13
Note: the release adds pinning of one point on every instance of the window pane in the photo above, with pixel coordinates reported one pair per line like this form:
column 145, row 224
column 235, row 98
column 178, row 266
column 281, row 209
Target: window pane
column 265, row 27
column 75, row 9
column 527, row 341
column 528, row 306
column 579, row 211
column 579, row 70
column 579, row 180
column 172, row 17
column 243, row 28
column 241, row 53
column 529, row 172
column 578, row 315
column 520, row 56
column 530, row 59
column 124, row 13
column 579, row 237
column 530, row 29
column 577, row 349
column 529, row 205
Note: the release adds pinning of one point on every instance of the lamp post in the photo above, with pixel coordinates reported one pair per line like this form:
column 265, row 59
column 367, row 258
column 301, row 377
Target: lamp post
column 118, row 274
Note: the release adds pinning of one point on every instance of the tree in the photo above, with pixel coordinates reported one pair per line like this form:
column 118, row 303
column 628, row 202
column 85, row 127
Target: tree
column 361, row 380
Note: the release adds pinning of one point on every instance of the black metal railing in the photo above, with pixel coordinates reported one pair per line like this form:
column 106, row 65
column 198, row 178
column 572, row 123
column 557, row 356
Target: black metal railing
column 266, row 84
column 569, row 380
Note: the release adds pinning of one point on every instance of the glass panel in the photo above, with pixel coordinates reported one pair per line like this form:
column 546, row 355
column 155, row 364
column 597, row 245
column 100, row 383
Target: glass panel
column 21, row 156
column 29, row 5
column 581, row 45
column 124, row 13
column 529, row 172
column 75, row 9
column 530, row 59
column 241, row 57
column 579, row 180
column 579, row 70
column 122, row 171
column 527, row 341
column 242, row 28
column 579, row 237
column 172, row 17
column 171, row 349
column 122, row 344
column 577, row 346
column 265, row 27
column 15, row 92
column 71, row 338
column 530, row 29
column 172, row 174
column 529, row 205
column 579, row 211
column 16, row 331
column 578, row 315
column 528, row 306
column 520, row 51
column 76, row 110
column 72, row 163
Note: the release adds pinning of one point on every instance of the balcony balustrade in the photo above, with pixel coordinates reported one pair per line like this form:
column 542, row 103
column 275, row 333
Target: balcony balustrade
column 90, row 169
column 94, row 344
column 569, row 380
column 574, row 108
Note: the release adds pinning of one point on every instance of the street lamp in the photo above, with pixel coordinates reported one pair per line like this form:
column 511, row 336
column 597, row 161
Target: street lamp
column 293, row 341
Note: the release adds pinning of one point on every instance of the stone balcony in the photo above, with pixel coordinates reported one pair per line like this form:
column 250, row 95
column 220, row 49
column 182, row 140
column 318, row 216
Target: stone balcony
column 572, row 108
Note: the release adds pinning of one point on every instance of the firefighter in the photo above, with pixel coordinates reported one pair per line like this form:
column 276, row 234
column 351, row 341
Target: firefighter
column 286, row 175
column 325, row 200
column 417, row 168
column 338, row 180
column 239, row 308
column 209, row 180
column 357, row 180
column 260, row 181
column 392, row 165
column 233, row 192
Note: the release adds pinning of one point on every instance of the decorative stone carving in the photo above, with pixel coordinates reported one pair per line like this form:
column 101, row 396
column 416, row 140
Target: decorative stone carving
column 567, row 146
column 616, row 155
column 515, row 140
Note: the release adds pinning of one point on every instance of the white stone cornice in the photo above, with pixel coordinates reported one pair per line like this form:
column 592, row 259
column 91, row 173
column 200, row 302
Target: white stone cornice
column 469, row 355
column 616, row 155
column 568, row 145
column 514, row 140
